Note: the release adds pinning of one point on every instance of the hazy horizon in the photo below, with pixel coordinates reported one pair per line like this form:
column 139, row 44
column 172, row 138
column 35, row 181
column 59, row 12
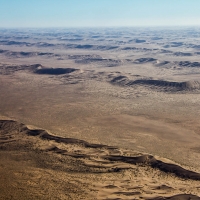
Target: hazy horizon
column 104, row 27
column 104, row 13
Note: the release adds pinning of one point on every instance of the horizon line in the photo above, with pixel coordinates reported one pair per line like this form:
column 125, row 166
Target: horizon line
column 141, row 26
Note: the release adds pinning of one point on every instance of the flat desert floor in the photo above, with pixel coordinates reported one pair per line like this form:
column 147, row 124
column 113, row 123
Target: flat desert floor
column 100, row 113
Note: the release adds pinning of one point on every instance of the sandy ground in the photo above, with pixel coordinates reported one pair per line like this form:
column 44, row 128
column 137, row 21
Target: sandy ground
column 139, row 97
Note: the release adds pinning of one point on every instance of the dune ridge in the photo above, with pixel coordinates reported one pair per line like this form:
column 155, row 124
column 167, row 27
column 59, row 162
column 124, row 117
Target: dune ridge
column 8, row 125
column 166, row 85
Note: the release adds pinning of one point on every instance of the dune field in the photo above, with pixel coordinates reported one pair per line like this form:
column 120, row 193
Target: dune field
column 100, row 113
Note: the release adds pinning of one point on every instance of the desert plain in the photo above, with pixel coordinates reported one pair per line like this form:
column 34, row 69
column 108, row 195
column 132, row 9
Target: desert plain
column 100, row 113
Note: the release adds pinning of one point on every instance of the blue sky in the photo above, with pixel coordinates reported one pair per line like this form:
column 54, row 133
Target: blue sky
column 94, row 13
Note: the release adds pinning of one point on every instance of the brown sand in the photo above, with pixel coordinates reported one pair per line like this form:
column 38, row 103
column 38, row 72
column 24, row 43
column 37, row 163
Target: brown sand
column 120, row 114
column 31, row 159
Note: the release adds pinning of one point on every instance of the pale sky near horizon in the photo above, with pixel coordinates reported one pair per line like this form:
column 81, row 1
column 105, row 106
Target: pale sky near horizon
column 95, row 13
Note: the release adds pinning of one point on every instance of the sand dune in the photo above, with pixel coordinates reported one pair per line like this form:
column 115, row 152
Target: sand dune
column 80, row 57
column 22, row 54
column 93, row 158
column 182, row 54
column 189, row 64
column 8, row 42
column 180, row 197
column 144, row 60
column 10, row 69
column 161, row 63
column 166, row 85
column 100, row 61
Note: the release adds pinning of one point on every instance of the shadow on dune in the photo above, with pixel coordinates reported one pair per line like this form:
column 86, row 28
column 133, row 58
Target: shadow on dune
column 153, row 162
column 178, row 197
column 54, row 71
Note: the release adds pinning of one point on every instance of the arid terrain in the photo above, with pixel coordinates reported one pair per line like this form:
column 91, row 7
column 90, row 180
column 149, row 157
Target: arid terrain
column 100, row 113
